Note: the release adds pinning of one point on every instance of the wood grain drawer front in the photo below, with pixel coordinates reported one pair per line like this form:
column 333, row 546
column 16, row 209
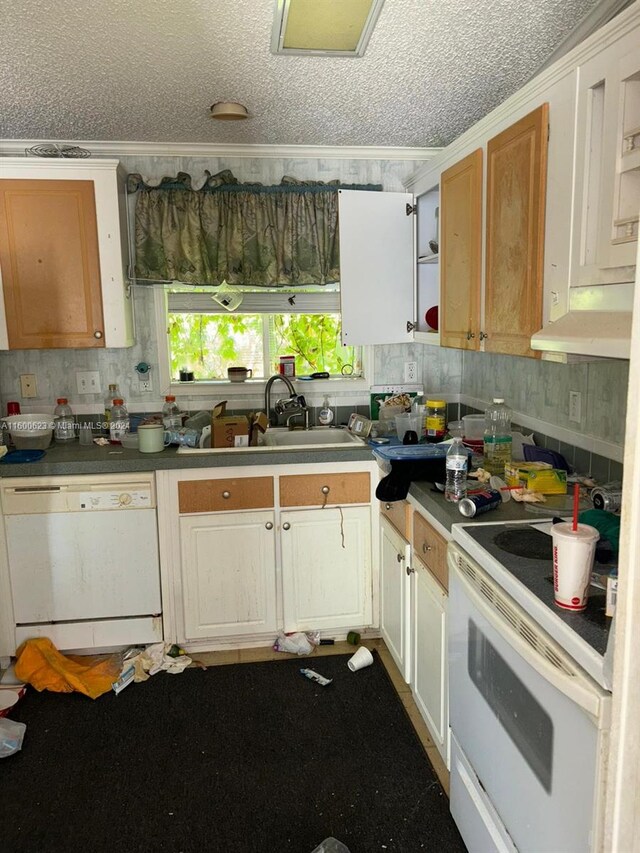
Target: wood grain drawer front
column 220, row 495
column 321, row 489
column 431, row 548
column 398, row 514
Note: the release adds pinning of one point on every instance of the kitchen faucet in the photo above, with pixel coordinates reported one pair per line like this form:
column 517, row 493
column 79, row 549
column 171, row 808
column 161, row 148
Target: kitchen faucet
column 295, row 404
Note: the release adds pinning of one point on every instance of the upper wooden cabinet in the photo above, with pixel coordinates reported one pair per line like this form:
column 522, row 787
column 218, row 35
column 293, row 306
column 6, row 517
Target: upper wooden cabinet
column 516, row 196
column 461, row 253
column 63, row 255
column 50, row 262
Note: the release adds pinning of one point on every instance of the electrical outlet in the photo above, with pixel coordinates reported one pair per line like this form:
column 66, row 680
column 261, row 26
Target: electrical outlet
column 145, row 385
column 575, row 407
column 28, row 387
column 411, row 371
column 88, row 382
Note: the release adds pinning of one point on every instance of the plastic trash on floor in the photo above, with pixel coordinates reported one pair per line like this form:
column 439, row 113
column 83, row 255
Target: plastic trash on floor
column 297, row 643
column 11, row 736
column 331, row 845
column 156, row 658
column 40, row 664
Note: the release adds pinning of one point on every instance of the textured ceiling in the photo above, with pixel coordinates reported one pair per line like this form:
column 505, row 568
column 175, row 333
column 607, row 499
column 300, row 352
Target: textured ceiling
column 148, row 70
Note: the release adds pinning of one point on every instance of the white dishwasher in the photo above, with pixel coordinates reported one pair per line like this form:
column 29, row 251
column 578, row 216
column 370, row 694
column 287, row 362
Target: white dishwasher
column 83, row 559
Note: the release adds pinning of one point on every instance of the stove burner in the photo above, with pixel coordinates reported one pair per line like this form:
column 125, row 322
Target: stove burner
column 525, row 542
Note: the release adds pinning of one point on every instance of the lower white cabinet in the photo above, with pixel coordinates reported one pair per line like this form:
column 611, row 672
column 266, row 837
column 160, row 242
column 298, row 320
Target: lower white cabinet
column 395, row 592
column 429, row 676
column 326, row 568
column 228, row 568
column 250, row 550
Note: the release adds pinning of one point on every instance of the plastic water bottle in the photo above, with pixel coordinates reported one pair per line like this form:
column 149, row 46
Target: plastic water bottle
column 497, row 437
column 65, row 428
column 171, row 417
column 457, row 464
column 119, row 421
column 110, row 396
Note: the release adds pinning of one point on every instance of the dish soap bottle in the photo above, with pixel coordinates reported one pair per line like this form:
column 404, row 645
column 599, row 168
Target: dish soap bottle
column 65, row 429
column 326, row 415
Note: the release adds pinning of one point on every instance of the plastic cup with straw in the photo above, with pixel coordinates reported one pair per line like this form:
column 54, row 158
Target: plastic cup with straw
column 574, row 548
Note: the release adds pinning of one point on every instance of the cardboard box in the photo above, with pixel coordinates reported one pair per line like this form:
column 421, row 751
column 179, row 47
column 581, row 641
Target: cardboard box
column 536, row 476
column 228, row 430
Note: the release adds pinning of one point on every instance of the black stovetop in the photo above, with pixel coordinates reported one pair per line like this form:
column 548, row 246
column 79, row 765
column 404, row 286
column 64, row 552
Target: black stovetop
column 532, row 565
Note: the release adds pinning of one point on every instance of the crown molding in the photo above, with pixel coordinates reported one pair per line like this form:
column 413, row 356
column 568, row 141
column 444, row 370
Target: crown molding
column 16, row 147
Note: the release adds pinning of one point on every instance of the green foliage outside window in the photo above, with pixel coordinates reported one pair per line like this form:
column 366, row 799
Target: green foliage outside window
column 210, row 343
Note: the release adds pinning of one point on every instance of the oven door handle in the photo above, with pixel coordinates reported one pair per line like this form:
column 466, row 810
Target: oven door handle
column 583, row 692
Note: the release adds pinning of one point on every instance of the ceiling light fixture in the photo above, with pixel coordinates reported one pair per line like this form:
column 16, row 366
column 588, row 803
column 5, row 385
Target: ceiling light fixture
column 329, row 28
column 229, row 111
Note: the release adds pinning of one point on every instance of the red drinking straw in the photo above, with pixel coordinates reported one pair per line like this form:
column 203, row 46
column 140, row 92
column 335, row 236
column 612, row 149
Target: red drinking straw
column 576, row 501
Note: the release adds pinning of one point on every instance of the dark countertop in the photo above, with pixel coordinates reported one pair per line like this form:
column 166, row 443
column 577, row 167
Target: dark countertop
column 63, row 459
column 448, row 514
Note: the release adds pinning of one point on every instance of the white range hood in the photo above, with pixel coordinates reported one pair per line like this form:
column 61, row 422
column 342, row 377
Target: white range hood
column 598, row 324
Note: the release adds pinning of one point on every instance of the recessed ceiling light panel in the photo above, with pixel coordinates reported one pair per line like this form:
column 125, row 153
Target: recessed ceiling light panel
column 325, row 28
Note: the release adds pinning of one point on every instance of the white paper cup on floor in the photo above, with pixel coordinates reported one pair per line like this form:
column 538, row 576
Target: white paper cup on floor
column 360, row 659
column 573, row 555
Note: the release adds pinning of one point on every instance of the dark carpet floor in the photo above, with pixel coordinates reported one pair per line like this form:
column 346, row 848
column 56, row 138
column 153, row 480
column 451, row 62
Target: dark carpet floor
column 249, row 758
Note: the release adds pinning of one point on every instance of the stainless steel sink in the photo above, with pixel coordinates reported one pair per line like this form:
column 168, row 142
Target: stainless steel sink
column 286, row 439
column 316, row 437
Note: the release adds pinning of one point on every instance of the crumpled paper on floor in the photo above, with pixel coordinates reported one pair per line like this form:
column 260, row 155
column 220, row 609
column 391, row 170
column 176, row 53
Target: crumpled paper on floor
column 154, row 659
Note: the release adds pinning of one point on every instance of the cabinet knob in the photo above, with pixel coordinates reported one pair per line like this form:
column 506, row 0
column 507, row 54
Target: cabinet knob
column 425, row 548
column 286, row 525
column 483, row 336
column 399, row 558
column 269, row 525
column 226, row 495
column 410, row 571
column 325, row 490
column 97, row 334
column 470, row 335
column 387, row 506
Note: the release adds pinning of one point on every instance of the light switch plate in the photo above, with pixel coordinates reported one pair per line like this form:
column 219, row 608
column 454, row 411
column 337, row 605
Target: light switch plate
column 88, row 382
column 575, row 407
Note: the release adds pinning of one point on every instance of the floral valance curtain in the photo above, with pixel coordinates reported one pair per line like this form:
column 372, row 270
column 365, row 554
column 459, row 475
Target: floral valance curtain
column 242, row 234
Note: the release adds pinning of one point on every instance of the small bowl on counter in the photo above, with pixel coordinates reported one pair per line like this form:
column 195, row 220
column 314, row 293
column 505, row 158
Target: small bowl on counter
column 32, row 431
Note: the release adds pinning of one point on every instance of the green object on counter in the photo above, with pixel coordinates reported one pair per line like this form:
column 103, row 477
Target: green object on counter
column 353, row 637
column 606, row 523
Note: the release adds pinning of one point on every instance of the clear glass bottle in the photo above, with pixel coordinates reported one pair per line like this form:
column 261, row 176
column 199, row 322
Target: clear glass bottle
column 119, row 421
column 65, row 428
column 457, row 463
column 110, row 396
column 171, row 417
column 497, row 437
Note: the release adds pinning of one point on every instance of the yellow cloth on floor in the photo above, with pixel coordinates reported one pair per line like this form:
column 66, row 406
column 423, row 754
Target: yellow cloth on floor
column 40, row 664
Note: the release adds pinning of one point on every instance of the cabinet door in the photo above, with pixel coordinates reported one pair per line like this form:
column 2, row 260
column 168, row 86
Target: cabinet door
column 395, row 586
column 516, row 192
column 429, row 653
column 377, row 266
column 326, row 568
column 461, row 253
column 50, row 264
column 607, row 190
column 228, row 574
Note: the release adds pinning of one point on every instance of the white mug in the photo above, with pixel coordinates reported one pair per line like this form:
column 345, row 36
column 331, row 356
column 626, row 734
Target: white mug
column 151, row 438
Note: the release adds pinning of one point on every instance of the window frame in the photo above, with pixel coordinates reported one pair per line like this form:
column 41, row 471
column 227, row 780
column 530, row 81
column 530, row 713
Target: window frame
column 341, row 387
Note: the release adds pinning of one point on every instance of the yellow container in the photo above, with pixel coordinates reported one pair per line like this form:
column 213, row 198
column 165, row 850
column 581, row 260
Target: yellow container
column 537, row 477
